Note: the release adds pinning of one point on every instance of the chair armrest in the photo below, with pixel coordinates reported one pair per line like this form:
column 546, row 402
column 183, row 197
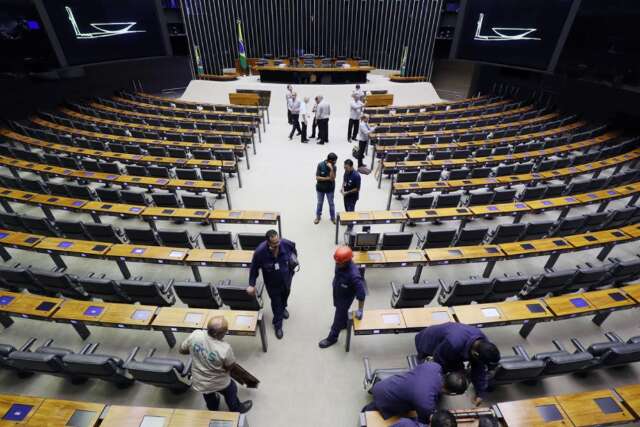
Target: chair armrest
column 187, row 367
column 443, row 285
column 166, row 287
column 420, row 238
column 558, row 345
column 549, row 270
column 259, row 288
column 613, row 337
column 27, row 345
column 48, row 342
column 412, row 361
column 394, row 289
column 86, row 348
column 132, row 356
column 578, row 345
column 520, row 351
column 368, row 376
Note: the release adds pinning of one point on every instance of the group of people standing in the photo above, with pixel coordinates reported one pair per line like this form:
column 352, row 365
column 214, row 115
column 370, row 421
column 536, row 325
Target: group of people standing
column 298, row 114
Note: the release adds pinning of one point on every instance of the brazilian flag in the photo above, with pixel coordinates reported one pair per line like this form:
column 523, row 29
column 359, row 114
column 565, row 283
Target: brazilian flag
column 241, row 51
column 403, row 63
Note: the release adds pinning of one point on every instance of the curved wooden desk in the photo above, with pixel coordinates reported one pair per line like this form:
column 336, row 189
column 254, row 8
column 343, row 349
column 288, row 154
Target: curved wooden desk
column 328, row 75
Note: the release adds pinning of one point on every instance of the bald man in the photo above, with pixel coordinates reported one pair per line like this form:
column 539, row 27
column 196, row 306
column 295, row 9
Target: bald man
column 212, row 362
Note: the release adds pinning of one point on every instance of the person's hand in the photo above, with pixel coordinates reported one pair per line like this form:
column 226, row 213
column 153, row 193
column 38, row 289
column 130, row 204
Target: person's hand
column 477, row 400
column 251, row 290
column 359, row 314
column 342, row 191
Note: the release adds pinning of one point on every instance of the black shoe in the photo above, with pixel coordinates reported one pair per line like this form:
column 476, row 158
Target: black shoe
column 306, row 141
column 279, row 333
column 245, row 406
column 326, row 343
column 320, row 143
column 285, row 313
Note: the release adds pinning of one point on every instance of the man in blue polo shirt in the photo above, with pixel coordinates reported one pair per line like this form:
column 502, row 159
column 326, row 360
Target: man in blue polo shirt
column 350, row 186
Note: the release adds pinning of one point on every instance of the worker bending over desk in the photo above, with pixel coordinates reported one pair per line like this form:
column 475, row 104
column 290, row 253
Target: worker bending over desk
column 212, row 363
column 451, row 344
column 348, row 285
column 419, row 390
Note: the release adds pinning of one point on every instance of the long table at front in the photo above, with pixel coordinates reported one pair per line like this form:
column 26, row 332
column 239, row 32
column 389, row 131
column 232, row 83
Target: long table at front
column 275, row 74
column 613, row 406
column 527, row 313
column 516, row 209
column 168, row 320
column 56, row 247
column 38, row 411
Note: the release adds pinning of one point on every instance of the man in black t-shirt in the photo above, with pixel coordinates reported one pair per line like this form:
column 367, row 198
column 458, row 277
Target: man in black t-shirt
column 326, row 185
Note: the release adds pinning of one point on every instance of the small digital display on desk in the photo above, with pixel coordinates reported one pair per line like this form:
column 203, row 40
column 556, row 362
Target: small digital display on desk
column 490, row 312
column 6, row 299
column 617, row 296
column 535, row 308
column 608, row 405
column 65, row 245
column 138, row 251
column 93, row 311
column 391, row 319
column 193, row 318
column 579, row 302
column 549, row 413
column 17, row 412
column 152, row 421
column 141, row 315
column 45, row 306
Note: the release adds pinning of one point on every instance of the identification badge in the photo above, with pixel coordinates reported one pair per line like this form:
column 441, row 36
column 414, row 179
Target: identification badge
column 276, row 266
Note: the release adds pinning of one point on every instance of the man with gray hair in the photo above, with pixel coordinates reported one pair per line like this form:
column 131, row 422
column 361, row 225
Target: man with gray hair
column 212, row 362
column 323, row 111
column 294, row 106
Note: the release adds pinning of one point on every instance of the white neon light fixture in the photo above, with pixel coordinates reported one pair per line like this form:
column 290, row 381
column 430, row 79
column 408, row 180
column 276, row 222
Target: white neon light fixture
column 504, row 34
column 105, row 29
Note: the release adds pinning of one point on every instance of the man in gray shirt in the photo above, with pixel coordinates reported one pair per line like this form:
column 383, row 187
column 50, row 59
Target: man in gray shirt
column 295, row 106
column 212, row 362
column 355, row 112
column 323, row 111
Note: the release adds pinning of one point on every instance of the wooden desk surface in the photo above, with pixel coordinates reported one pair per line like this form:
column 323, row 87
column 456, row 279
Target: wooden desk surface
column 582, row 409
column 480, row 314
column 8, row 400
column 389, row 216
column 404, row 257
column 445, row 255
column 239, row 321
column 158, row 253
column 426, row 316
column 182, row 317
column 123, row 315
column 553, row 202
column 195, row 418
column 56, row 413
column 18, row 239
column 568, row 305
column 81, row 247
column 313, row 69
column 597, row 195
column 225, row 112
column 182, row 101
column 520, row 310
column 158, row 212
column 427, row 185
column 85, row 311
column 374, row 419
column 525, row 413
column 376, row 320
column 132, row 416
column 632, row 230
column 50, row 200
column 29, row 304
column 114, row 208
column 633, row 291
column 631, row 396
column 501, row 208
column 368, row 257
column 219, row 256
column 439, row 213
column 609, row 298
column 393, row 112
column 541, row 246
column 597, row 238
column 225, row 215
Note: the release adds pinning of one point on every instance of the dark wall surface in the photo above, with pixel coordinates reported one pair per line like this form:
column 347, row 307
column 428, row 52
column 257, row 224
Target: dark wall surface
column 24, row 94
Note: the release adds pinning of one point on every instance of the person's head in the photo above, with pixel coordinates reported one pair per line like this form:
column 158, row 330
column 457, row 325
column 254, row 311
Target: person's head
column 357, row 87
column 348, row 165
column 455, row 383
column 364, row 118
column 342, row 256
column 332, row 158
column 273, row 240
column 485, row 352
column 319, row 98
column 289, row 87
column 443, row 419
column 294, row 95
column 217, row 327
column 487, row 421
column 306, row 99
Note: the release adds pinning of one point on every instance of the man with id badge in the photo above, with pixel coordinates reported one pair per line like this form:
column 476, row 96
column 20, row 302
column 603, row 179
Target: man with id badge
column 277, row 258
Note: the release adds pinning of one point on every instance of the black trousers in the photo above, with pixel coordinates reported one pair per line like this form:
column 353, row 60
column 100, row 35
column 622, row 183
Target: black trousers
column 362, row 147
column 295, row 124
column 352, row 132
column 323, row 129
column 279, row 296
column 230, row 394
column 288, row 116
column 303, row 132
column 314, row 125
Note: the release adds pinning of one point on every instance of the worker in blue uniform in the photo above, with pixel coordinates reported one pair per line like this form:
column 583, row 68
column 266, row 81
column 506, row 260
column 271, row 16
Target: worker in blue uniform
column 438, row 419
column 273, row 257
column 451, row 344
column 348, row 285
column 418, row 389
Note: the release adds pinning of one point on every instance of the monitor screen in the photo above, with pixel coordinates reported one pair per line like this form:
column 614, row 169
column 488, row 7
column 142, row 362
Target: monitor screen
column 106, row 30
column 523, row 33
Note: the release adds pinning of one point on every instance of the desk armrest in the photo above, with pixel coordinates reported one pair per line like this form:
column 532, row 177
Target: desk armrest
column 368, row 376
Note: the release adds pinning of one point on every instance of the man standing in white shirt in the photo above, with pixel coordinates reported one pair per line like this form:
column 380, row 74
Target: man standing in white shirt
column 288, row 95
column 359, row 93
column 212, row 362
column 304, row 118
column 355, row 111
column 294, row 108
column 323, row 111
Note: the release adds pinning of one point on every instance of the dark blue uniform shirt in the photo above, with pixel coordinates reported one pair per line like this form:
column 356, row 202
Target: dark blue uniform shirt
column 275, row 272
column 347, row 285
column 449, row 345
column 418, row 389
column 350, row 181
column 408, row 422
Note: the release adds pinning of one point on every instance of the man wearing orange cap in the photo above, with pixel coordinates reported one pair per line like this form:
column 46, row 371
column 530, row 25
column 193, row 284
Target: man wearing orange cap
column 348, row 285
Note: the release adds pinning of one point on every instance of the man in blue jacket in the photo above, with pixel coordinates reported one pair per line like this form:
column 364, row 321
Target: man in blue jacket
column 273, row 256
column 419, row 389
column 438, row 419
column 348, row 285
column 451, row 344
